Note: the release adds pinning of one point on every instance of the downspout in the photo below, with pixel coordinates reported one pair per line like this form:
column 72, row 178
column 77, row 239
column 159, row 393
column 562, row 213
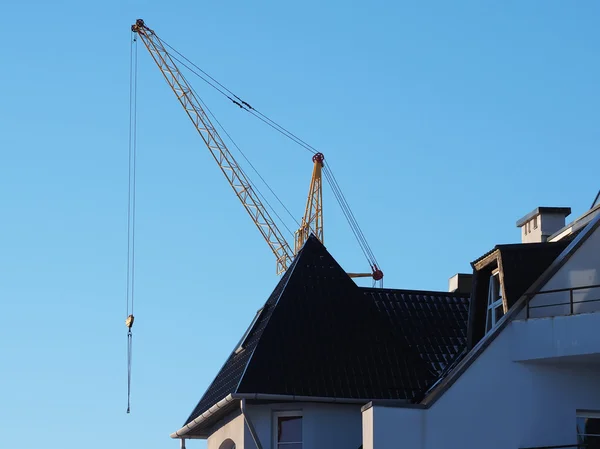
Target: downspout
column 249, row 424
column 182, row 446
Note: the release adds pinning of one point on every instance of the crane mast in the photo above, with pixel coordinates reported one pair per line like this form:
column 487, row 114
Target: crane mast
column 227, row 163
column 312, row 222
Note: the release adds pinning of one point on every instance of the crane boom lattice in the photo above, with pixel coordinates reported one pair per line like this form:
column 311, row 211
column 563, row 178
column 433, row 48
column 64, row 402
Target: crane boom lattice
column 227, row 163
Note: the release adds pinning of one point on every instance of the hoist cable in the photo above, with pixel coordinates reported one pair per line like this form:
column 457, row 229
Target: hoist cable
column 352, row 217
column 241, row 103
column 131, row 207
column 348, row 214
column 253, row 185
column 336, row 194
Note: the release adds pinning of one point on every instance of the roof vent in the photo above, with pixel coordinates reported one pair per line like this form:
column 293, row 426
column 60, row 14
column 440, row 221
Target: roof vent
column 460, row 283
column 541, row 223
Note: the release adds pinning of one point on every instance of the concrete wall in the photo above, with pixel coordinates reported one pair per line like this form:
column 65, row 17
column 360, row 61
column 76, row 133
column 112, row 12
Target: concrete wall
column 324, row 426
column 232, row 428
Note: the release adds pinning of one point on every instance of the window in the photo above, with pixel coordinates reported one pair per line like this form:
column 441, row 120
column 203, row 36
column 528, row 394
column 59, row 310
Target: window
column 535, row 222
column 227, row 444
column 242, row 344
column 495, row 308
column 287, row 430
column 588, row 429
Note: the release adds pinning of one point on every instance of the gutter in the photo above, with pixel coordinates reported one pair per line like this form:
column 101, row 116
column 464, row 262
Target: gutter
column 182, row 433
column 203, row 417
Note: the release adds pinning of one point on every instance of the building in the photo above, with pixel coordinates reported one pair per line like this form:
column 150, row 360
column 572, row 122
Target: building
column 509, row 358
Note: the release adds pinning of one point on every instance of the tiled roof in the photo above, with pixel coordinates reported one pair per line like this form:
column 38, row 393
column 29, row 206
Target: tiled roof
column 320, row 334
column 434, row 324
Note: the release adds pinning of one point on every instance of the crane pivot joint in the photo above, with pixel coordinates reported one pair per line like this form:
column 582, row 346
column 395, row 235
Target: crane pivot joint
column 319, row 157
column 138, row 25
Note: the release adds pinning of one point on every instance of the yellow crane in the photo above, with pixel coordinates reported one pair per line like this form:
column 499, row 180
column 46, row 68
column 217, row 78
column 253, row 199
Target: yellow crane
column 312, row 221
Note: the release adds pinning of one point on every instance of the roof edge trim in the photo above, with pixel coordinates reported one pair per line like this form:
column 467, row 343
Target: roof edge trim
column 203, row 417
column 294, row 398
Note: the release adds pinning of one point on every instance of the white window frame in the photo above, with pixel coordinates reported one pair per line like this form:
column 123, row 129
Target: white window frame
column 495, row 301
column 285, row 413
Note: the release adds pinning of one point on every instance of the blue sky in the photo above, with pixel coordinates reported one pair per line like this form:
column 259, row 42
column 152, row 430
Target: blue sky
column 444, row 123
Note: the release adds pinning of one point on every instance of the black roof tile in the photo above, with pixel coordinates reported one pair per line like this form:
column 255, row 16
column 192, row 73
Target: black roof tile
column 319, row 334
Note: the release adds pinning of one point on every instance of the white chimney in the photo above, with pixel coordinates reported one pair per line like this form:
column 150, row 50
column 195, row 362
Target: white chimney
column 541, row 223
column 460, row 283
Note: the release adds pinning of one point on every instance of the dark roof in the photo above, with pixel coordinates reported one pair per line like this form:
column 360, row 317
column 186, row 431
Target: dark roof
column 596, row 200
column 521, row 265
column 321, row 335
column 434, row 324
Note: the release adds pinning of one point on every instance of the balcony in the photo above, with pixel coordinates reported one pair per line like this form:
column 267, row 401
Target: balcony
column 559, row 326
column 559, row 447
column 565, row 301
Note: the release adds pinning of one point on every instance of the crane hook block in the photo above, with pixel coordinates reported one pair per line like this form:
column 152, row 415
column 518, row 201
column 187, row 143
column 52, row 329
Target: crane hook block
column 318, row 157
column 129, row 321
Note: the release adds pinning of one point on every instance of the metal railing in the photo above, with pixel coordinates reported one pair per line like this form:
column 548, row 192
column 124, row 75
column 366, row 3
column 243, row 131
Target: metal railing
column 557, row 447
column 571, row 302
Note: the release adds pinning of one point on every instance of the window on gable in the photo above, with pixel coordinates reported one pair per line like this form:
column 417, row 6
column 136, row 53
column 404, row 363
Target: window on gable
column 227, row 444
column 242, row 344
column 495, row 308
column 287, row 429
column 588, row 429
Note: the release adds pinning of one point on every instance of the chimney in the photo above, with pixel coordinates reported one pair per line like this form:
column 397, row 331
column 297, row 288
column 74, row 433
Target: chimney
column 460, row 283
column 541, row 223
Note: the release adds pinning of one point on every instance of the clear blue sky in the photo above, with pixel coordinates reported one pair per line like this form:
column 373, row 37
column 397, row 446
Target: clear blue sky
column 444, row 122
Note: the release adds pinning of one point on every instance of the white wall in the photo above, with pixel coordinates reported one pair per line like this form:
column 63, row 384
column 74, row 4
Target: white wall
column 498, row 403
column 232, row 428
column 582, row 269
column 561, row 336
column 324, row 426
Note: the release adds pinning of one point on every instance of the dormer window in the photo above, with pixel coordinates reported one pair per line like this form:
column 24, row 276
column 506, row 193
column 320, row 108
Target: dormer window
column 495, row 308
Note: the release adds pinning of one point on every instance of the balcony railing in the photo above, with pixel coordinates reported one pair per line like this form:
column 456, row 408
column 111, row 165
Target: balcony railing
column 564, row 301
column 557, row 447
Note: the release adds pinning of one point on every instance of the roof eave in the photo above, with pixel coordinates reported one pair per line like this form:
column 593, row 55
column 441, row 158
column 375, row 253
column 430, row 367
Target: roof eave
column 196, row 422
column 185, row 431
